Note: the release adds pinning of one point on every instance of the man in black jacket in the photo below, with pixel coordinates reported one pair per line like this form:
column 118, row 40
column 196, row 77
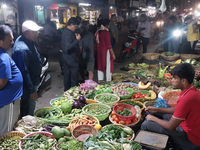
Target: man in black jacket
column 70, row 48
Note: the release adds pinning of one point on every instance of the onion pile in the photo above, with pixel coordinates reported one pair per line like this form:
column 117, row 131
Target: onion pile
column 123, row 92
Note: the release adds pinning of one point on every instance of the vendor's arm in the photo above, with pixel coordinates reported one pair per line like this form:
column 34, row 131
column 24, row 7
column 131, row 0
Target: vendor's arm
column 162, row 110
column 169, row 125
column 3, row 83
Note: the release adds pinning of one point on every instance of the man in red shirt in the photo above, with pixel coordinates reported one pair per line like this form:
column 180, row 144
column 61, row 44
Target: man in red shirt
column 181, row 123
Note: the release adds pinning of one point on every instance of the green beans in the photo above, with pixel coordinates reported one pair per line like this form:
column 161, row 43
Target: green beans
column 107, row 98
column 9, row 144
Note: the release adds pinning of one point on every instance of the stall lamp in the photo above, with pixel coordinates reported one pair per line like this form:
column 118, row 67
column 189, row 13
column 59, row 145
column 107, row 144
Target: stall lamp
column 199, row 5
column 111, row 7
column 84, row 4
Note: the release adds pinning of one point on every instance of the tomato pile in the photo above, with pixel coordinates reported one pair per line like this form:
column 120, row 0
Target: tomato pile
column 117, row 120
column 138, row 95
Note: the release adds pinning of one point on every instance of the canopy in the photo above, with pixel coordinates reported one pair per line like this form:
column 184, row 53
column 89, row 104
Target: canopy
column 58, row 6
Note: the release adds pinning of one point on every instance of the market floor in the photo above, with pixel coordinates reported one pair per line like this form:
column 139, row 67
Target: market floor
column 56, row 87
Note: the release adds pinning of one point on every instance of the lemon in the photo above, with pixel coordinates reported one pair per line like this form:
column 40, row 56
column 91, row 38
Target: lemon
column 98, row 126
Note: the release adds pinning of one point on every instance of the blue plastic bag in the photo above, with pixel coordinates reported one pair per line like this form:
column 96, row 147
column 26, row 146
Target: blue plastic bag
column 160, row 103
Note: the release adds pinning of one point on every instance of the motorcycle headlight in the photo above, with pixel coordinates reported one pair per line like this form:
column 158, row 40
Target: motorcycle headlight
column 158, row 23
column 128, row 44
column 177, row 33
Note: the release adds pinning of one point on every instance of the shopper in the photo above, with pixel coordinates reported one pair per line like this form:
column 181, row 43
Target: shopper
column 11, row 83
column 29, row 63
column 86, row 58
column 119, row 22
column 181, row 123
column 99, row 20
column 70, row 48
column 192, row 34
column 174, row 39
column 113, row 31
column 105, row 54
column 144, row 28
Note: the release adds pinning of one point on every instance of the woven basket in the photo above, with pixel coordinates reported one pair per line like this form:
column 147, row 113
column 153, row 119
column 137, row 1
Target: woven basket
column 187, row 56
column 47, row 134
column 12, row 134
column 83, row 129
column 172, row 63
column 40, row 111
column 149, row 103
column 170, row 58
column 129, row 125
column 151, row 56
column 97, row 107
column 153, row 66
column 196, row 67
column 110, row 104
column 92, row 117
column 122, row 126
column 116, row 76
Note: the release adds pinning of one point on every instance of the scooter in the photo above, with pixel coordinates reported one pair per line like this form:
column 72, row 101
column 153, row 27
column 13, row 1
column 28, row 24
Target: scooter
column 45, row 77
column 130, row 46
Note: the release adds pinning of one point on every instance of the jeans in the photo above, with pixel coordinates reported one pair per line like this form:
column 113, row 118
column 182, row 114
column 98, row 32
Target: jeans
column 113, row 42
column 27, row 105
column 145, row 42
column 178, row 135
column 173, row 45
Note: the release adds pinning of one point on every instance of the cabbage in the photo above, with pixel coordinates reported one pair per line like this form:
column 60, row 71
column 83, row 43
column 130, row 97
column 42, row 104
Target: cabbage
column 66, row 107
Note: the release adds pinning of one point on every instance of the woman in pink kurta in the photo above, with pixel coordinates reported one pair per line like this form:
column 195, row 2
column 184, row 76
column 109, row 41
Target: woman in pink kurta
column 105, row 54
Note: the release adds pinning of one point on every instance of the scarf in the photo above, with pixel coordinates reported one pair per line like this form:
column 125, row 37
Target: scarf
column 97, row 33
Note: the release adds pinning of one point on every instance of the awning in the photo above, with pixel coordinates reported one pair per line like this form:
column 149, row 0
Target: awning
column 58, row 6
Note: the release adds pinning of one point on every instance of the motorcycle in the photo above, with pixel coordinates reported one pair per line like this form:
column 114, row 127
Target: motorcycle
column 45, row 77
column 130, row 46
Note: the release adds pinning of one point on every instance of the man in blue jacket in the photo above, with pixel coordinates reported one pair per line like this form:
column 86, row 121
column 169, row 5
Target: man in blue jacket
column 70, row 48
column 28, row 61
column 11, row 82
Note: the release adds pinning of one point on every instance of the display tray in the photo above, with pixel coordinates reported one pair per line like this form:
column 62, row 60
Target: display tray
column 152, row 140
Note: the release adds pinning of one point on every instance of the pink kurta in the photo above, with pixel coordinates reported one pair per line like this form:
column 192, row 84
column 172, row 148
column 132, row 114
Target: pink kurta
column 102, row 48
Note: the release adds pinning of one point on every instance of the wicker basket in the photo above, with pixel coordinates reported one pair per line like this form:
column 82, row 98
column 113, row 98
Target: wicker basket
column 12, row 134
column 129, row 125
column 151, row 56
column 153, row 66
column 122, row 126
column 116, row 76
column 40, row 111
column 172, row 63
column 149, row 103
column 110, row 104
column 92, row 117
column 47, row 134
column 169, row 58
column 187, row 56
column 83, row 129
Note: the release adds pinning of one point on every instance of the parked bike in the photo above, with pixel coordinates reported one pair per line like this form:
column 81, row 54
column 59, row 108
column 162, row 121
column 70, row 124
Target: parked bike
column 130, row 46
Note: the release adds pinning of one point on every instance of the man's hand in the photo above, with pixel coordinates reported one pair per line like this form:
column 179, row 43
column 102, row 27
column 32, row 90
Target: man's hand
column 150, row 118
column 151, row 109
column 78, row 36
column 34, row 96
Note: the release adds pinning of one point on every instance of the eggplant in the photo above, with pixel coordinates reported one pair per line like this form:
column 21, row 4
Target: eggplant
column 126, row 81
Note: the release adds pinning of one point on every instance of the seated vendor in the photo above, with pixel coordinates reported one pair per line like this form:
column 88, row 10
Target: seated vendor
column 180, row 123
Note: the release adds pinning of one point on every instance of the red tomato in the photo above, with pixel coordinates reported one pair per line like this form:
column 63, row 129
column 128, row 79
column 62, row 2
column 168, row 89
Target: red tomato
column 128, row 121
column 135, row 120
column 120, row 108
column 113, row 113
column 114, row 117
column 128, row 138
column 117, row 120
column 122, row 122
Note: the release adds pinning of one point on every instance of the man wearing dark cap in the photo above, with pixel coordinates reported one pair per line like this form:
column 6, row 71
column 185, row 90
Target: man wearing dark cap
column 70, row 48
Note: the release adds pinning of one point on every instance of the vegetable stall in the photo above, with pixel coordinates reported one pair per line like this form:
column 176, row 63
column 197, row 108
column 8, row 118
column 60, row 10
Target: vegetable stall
column 94, row 117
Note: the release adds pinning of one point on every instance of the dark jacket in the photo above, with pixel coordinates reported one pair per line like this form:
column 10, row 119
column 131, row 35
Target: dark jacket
column 28, row 61
column 87, row 44
column 69, row 46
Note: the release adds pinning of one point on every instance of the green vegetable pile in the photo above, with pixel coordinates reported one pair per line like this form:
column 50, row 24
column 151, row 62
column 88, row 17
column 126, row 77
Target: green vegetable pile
column 142, row 65
column 90, row 95
column 38, row 141
column 190, row 61
column 103, row 87
column 98, row 110
column 72, row 144
column 107, row 98
column 9, row 144
column 65, row 119
column 105, row 141
column 49, row 113
column 118, row 132
column 132, row 103
column 125, row 112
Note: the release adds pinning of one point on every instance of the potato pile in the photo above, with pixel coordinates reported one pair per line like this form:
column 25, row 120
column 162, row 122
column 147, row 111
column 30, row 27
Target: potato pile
column 115, row 88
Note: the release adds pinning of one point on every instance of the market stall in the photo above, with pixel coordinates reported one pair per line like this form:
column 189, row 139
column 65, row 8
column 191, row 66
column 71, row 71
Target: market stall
column 93, row 116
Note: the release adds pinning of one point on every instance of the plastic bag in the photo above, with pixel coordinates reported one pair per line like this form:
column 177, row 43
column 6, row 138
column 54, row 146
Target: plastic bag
column 161, row 103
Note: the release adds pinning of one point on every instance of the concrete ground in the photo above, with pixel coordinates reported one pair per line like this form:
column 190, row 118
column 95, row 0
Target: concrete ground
column 57, row 79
